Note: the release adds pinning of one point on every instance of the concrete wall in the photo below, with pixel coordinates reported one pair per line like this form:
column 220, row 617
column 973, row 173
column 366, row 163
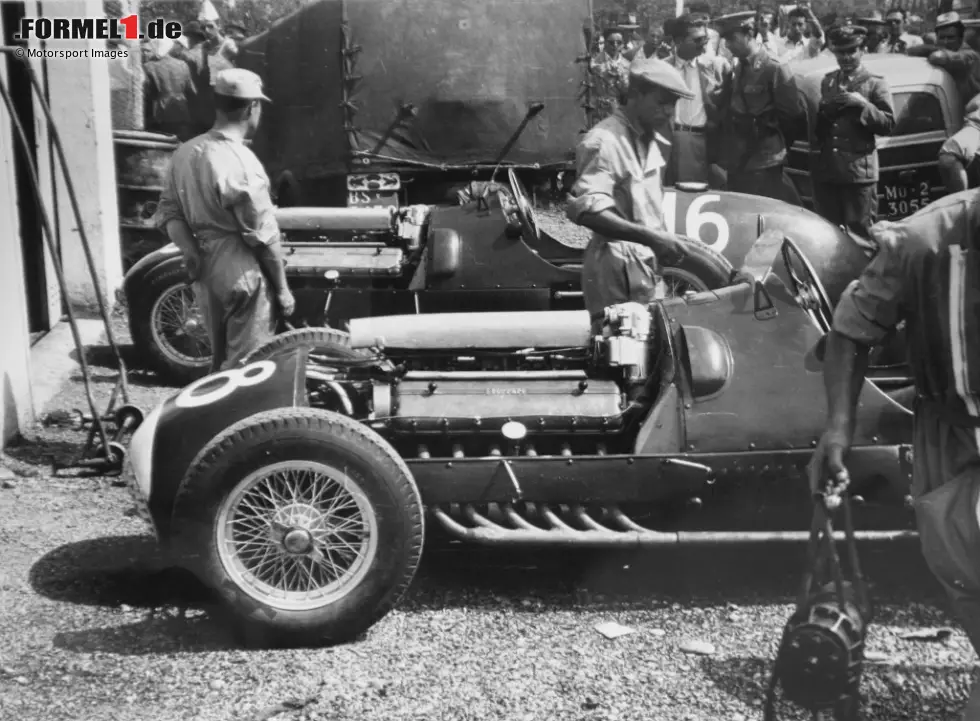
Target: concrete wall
column 16, row 401
column 78, row 91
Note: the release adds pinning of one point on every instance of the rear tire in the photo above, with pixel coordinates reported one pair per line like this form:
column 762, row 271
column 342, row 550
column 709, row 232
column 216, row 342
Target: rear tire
column 170, row 340
column 321, row 341
column 702, row 264
column 254, row 522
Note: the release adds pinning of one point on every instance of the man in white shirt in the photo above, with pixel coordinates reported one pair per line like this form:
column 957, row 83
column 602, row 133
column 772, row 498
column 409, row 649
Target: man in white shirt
column 898, row 40
column 796, row 46
column 696, row 119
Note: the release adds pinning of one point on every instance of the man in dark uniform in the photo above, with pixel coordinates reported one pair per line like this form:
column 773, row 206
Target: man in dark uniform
column 954, row 55
column 855, row 106
column 766, row 114
column 168, row 93
column 874, row 23
column 925, row 273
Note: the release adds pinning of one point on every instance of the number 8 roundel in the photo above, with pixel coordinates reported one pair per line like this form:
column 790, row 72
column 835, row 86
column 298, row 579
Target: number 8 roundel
column 224, row 384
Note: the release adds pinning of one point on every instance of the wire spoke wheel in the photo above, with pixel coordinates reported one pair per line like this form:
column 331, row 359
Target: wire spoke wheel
column 178, row 329
column 679, row 281
column 297, row 535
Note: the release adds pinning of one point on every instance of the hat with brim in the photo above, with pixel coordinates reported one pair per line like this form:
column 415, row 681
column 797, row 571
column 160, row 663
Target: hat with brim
column 661, row 74
column 630, row 23
column 727, row 24
column 239, row 83
column 874, row 19
column 847, row 37
column 950, row 19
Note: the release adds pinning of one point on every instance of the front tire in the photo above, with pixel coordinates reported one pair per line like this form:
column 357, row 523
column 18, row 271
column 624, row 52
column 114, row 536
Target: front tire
column 166, row 326
column 306, row 524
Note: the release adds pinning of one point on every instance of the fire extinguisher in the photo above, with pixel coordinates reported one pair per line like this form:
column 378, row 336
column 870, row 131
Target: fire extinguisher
column 821, row 656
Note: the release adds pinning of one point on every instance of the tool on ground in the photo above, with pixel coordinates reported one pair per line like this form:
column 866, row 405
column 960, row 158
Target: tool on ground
column 821, row 655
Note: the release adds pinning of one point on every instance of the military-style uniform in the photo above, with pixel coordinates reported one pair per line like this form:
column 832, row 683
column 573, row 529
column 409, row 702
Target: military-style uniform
column 766, row 108
column 843, row 158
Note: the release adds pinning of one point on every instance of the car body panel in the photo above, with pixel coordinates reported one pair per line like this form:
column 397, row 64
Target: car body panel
column 760, row 423
column 928, row 111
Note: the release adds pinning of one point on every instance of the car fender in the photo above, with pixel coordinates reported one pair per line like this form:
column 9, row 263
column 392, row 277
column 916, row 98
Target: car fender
column 175, row 433
column 141, row 268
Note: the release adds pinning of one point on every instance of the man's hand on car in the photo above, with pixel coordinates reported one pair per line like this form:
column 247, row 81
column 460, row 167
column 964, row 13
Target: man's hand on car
column 671, row 249
column 287, row 304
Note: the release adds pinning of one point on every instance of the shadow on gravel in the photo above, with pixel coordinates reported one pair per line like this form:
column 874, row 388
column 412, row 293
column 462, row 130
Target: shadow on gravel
column 101, row 356
column 741, row 575
column 890, row 692
column 131, row 571
column 48, row 448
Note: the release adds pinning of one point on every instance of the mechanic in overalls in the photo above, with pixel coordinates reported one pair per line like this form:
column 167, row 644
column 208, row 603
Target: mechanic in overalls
column 958, row 166
column 927, row 273
column 216, row 207
column 766, row 112
column 618, row 193
column 855, row 106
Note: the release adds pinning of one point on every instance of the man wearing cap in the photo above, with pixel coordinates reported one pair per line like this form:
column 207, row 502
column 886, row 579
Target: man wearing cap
column 898, row 41
column 796, row 45
column 926, row 274
column 618, row 193
column 958, row 166
column 874, row 25
column 217, row 209
column 855, row 106
column 694, row 142
column 611, row 73
column 234, row 35
column 954, row 55
column 766, row 112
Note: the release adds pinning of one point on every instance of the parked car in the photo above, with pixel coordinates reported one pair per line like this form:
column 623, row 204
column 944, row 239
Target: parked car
column 300, row 486
column 928, row 110
column 482, row 255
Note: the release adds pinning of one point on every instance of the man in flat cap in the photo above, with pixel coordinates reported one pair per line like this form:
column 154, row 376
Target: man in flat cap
column 618, row 193
column 855, row 106
column 765, row 114
column 216, row 207
column 954, row 55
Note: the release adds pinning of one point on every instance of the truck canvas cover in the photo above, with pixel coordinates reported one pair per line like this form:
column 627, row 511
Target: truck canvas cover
column 372, row 85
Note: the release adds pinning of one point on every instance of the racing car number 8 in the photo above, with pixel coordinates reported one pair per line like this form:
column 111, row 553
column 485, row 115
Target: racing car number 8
column 695, row 219
column 223, row 384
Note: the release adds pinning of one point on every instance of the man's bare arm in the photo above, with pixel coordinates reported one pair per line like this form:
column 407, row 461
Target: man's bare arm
column 610, row 224
column 845, row 367
column 271, row 259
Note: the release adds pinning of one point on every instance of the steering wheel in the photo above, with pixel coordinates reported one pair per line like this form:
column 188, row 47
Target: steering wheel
column 525, row 212
column 809, row 291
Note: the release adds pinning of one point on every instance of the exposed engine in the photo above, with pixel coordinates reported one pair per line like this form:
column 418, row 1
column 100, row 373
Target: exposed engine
column 552, row 400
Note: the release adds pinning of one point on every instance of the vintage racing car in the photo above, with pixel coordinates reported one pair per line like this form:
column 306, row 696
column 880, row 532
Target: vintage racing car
column 300, row 486
column 483, row 255
column 928, row 110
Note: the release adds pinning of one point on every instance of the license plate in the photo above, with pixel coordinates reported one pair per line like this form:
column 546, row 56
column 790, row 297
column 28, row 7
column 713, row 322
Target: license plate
column 372, row 198
column 899, row 200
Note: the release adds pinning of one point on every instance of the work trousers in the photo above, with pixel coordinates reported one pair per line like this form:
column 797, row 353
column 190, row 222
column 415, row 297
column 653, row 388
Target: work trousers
column 768, row 182
column 852, row 205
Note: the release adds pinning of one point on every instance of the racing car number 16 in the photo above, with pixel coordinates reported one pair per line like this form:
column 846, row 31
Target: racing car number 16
column 696, row 219
column 221, row 385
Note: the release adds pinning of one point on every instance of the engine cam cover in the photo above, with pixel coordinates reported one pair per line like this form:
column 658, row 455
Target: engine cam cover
column 474, row 405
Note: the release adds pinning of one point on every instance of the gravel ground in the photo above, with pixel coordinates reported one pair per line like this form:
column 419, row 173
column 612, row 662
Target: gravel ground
column 96, row 628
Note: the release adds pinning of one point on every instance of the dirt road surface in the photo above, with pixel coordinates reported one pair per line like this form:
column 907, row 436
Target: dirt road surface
column 94, row 627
